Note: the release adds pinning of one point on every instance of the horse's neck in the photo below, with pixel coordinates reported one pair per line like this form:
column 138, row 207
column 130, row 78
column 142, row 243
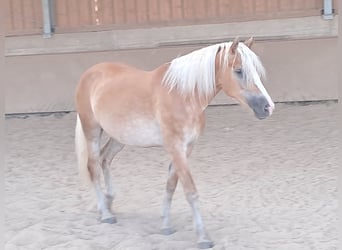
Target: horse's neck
column 204, row 102
column 201, row 102
column 218, row 85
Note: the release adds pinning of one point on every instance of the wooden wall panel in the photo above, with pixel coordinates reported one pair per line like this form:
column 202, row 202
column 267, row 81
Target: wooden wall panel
column 25, row 16
column 177, row 9
column 111, row 14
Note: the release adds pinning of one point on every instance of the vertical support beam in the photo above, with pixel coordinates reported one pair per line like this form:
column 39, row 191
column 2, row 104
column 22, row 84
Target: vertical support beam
column 47, row 18
column 328, row 10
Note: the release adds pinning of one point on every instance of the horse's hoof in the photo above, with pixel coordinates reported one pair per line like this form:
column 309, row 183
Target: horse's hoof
column 167, row 231
column 205, row 244
column 109, row 220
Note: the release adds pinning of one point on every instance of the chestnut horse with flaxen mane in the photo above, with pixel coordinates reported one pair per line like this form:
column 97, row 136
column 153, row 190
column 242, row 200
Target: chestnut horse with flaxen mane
column 163, row 107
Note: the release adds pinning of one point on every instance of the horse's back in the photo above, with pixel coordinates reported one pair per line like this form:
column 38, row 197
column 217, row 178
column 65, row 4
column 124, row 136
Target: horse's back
column 107, row 70
column 109, row 78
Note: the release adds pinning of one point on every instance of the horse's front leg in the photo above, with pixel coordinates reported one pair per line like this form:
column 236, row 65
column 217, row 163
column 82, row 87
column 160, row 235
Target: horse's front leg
column 171, row 185
column 180, row 163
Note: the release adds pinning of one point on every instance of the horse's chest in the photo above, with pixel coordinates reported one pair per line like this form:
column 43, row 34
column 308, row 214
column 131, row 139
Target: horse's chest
column 138, row 132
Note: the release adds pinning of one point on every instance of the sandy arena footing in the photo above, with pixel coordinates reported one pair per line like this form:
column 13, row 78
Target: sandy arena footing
column 268, row 184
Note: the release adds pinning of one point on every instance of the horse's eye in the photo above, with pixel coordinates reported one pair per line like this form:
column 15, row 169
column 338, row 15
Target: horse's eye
column 238, row 72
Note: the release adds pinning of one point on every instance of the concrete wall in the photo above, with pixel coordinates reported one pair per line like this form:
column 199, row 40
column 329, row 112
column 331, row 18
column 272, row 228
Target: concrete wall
column 299, row 55
column 297, row 70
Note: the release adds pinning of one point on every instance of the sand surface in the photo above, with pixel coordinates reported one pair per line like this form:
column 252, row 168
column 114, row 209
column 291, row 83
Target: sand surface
column 268, row 184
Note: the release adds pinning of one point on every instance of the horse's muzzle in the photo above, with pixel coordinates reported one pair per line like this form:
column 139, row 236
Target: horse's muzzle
column 259, row 105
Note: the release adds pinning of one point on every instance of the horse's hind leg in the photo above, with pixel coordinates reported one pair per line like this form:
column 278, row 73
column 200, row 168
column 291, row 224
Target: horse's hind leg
column 108, row 152
column 92, row 133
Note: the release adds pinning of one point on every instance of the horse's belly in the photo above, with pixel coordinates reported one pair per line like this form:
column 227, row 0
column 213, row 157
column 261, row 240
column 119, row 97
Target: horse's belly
column 138, row 132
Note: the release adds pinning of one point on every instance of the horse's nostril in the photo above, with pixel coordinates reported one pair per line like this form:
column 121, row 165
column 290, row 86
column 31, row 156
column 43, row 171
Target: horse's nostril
column 267, row 108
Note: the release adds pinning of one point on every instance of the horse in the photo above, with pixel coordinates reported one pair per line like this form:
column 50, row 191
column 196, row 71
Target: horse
column 162, row 107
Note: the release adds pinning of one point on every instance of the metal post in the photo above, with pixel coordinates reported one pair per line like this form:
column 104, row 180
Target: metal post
column 328, row 10
column 47, row 18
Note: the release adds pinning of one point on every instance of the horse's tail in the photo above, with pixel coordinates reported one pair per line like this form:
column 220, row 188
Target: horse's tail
column 81, row 152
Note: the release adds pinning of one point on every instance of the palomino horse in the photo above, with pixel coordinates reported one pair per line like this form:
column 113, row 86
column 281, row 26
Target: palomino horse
column 163, row 107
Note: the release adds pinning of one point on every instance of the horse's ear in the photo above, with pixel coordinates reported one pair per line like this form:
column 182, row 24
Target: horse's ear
column 249, row 42
column 234, row 45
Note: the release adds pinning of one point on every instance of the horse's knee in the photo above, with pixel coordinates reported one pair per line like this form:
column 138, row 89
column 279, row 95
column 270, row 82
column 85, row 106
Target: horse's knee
column 171, row 183
column 187, row 181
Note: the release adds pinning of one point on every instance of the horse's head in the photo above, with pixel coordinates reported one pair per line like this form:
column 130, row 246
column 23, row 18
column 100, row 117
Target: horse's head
column 241, row 78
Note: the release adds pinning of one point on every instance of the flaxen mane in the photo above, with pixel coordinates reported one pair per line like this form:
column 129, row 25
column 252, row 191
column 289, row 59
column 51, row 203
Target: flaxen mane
column 196, row 70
